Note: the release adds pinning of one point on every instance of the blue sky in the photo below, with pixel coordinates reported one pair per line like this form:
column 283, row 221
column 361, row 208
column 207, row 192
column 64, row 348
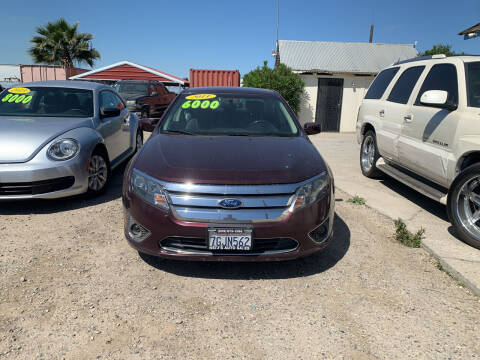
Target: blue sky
column 175, row 36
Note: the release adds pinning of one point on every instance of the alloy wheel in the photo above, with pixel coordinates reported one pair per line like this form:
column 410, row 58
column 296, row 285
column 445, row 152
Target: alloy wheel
column 97, row 173
column 468, row 206
column 368, row 153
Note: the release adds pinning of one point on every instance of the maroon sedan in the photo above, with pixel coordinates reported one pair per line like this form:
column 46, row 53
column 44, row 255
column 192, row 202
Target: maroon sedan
column 228, row 174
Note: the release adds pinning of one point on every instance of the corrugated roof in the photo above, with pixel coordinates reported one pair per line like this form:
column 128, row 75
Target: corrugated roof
column 336, row 57
column 472, row 29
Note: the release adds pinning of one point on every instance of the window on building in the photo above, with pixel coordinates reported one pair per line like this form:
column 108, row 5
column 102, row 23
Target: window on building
column 404, row 86
column 381, row 83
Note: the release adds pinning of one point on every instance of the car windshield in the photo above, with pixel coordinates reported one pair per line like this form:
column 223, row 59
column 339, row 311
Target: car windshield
column 229, row 114
column 473, row 83
column 131, row 88
column 46, row 102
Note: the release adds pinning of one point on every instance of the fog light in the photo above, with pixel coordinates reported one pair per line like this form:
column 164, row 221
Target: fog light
column 319, row 234
column 136, row 231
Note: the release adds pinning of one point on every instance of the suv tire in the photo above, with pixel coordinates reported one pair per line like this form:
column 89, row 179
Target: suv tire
column 369, row 155
column 463, row 205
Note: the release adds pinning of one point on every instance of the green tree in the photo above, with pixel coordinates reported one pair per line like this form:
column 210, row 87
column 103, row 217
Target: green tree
column 59, row 43
column 281, row 79
column 441, row 49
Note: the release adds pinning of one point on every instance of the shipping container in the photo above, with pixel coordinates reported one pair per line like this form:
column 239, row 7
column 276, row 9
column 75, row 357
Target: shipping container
column 202, row 77
column 47, row 72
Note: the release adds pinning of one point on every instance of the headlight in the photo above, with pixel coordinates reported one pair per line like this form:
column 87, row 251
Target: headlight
column 149, row 190
column 131, row 103
column 64, row 149
column 309, row 193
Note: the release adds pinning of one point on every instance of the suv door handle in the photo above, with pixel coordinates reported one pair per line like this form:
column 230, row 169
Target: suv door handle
column 381, row 113
column 408, row 118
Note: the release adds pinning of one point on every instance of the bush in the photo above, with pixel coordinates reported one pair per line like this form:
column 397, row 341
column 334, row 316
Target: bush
column 281, row 79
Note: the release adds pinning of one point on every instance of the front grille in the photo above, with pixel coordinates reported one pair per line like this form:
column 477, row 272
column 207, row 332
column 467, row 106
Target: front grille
column 36, row 187
column 259, row 246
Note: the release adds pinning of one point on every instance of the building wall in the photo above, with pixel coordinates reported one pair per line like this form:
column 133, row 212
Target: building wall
column 351, row 99
column 47, row 72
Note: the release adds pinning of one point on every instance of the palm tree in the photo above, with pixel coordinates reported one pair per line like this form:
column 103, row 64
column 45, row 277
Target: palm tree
column 59, row 43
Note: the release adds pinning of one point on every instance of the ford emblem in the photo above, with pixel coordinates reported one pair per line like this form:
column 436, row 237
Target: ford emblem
column 230, row 203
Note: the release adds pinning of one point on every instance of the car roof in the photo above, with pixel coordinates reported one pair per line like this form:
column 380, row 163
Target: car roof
column 230, row 90
column 440, row 58
column 87, row 85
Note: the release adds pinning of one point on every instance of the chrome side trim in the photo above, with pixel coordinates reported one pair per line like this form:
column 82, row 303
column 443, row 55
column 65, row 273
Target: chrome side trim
column 231, row 190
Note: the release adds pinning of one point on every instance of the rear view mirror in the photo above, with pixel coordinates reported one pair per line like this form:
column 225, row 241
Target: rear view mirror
column 109, row 112
column 437, row 98
column 312, row 128
column 146, row 125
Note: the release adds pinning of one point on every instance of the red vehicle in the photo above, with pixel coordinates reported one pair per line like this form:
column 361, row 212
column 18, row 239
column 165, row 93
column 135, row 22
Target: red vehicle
column 228, row 174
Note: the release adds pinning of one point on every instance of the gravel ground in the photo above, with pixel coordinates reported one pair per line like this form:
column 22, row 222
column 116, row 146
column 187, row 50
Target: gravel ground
column 71, row 287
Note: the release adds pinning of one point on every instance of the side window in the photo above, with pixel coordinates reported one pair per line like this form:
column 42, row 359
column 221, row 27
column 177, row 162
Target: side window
column 380, row 83
column 151, row 90
column 441, row 77
column 161, row 90
column 109, row 100
column 406, row 82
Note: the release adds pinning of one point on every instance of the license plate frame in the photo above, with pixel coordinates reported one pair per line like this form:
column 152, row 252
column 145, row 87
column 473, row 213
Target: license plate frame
column 229, row 238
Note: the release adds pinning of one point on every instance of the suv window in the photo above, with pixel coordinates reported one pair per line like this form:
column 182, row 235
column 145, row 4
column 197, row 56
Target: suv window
column 380, row 83
column 406, row 82
column 441, row 77
column 109, row 100
column 473, row 83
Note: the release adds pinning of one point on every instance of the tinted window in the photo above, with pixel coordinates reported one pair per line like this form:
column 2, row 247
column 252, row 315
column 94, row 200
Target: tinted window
column 108, row 100
column 406, row 82
column 380, row 83
column 131, row 88
column 229, row 114
column 473, row 83
column 441, row 77
column 47, row 102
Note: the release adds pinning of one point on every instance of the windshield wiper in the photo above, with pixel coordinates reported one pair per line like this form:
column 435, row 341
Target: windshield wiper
column 178, row 132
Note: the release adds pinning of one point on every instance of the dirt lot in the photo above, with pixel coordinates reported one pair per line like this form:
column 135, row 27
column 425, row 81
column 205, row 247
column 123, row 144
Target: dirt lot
column 71, row 287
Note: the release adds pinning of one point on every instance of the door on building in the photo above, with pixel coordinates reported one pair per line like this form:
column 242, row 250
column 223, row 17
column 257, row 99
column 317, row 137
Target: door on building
column 329, row 103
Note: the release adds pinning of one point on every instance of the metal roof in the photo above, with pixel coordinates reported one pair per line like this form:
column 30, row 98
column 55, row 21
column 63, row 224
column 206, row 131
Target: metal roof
column 472, row 29
column 342, row 57
column 126, row 70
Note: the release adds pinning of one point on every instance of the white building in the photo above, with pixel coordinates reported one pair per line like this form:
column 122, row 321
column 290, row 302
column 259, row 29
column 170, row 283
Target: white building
column 337, row 76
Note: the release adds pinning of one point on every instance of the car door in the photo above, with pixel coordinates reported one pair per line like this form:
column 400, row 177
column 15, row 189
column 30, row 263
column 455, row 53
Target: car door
column 386, row 122
column 428, row 132
column 116, row 129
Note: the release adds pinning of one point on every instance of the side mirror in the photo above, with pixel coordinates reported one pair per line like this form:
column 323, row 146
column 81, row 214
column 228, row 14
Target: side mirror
column 109, row 112
column 312, row 128
column 146, row 125
column 437, row 98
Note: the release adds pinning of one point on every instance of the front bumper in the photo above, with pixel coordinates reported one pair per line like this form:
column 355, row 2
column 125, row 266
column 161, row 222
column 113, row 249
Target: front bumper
column 42, row 178
column 296, row 226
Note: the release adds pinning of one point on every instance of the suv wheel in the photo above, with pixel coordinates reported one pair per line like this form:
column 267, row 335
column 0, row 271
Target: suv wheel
column 463, row 205
column 138, row 140
column 145, row 113
column 369, row 155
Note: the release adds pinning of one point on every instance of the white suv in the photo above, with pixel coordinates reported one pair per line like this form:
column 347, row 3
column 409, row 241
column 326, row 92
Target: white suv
column 420, row 123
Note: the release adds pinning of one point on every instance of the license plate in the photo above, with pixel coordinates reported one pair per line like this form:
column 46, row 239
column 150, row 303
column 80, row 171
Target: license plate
column 230, row 239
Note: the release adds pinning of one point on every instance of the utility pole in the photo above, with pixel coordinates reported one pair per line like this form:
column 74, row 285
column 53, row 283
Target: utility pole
column 371, row 34
column 277, row 53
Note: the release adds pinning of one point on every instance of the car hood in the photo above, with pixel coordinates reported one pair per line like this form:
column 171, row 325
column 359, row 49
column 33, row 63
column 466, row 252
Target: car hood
column 21, row 138
column 229, row 159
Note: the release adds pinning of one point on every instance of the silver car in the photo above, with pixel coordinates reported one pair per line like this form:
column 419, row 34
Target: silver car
column 61, row 138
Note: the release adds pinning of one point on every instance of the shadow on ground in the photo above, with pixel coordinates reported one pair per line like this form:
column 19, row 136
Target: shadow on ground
column 311, row 265
column 40, row 206
column 432, row 206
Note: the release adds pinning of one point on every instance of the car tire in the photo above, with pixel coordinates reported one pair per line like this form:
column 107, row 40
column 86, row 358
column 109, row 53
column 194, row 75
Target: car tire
column 138, row 140
column 369, row 155
column 463, row 205
column 99, row 172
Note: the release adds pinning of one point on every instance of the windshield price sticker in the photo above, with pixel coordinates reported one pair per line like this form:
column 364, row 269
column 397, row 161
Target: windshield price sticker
column 201, row 96
column 13, row 97
column 205, row 104
column 19, row 90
